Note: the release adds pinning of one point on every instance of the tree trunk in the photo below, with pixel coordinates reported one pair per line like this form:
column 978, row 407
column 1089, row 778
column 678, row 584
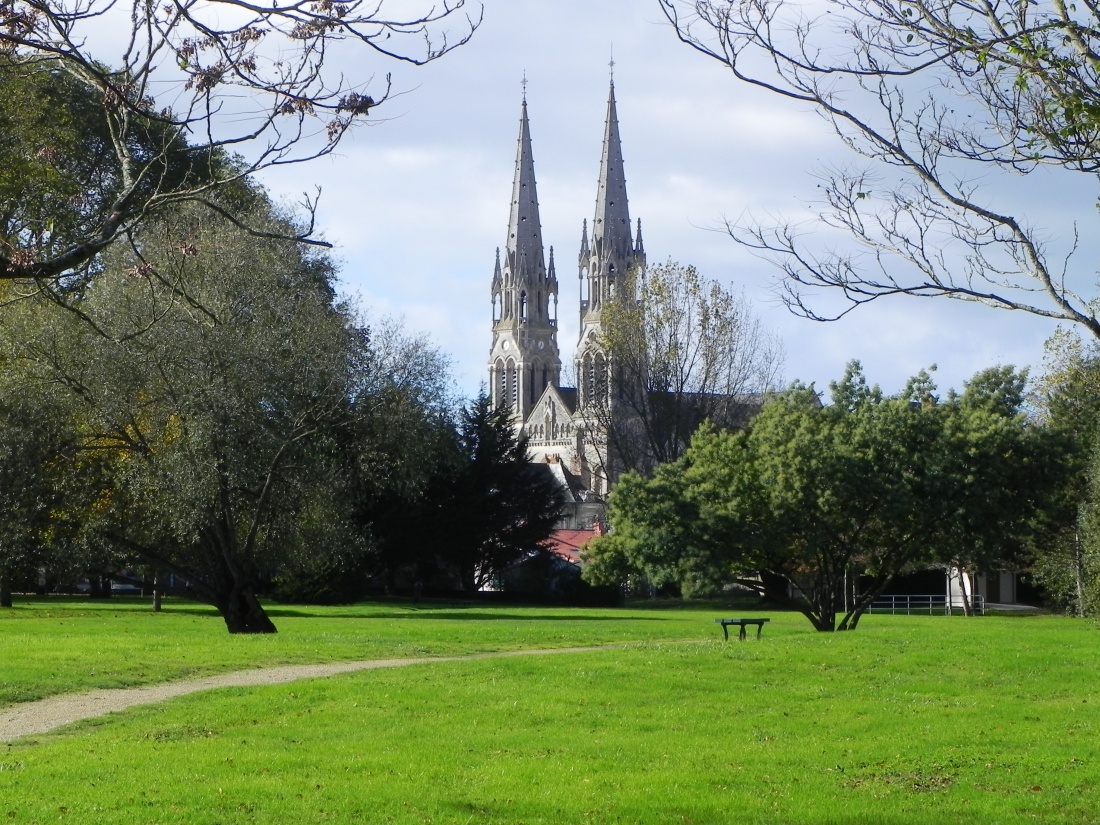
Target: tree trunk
column 5, row 592
column 156, row 592
column 861, row 603
column 1078, row 577
column 964, row 577
column 243, row 613
column 468, row 579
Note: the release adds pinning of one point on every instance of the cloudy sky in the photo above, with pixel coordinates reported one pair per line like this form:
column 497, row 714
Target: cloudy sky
column 417, row 202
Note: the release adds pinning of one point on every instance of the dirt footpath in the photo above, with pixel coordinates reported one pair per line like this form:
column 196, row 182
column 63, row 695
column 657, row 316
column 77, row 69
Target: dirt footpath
column 30, row 718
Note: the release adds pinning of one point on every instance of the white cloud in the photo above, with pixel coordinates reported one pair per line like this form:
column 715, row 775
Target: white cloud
column 418, row 204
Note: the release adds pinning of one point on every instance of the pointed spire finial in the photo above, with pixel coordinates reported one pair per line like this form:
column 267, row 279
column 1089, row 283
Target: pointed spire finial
column 611, row 65
column 523, row 83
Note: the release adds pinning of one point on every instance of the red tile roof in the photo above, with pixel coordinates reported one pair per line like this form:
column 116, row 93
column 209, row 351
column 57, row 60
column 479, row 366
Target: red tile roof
column 569, row 543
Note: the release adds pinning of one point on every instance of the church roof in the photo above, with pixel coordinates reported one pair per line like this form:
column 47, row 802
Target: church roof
column 568, row 544
column 568, row 397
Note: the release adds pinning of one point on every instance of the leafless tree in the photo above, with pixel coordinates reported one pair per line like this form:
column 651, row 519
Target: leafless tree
column 201, row 93
column 935, row 95
column 678, row 351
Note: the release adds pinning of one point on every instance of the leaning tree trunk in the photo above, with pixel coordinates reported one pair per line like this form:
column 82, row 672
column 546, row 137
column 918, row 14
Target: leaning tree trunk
column 243, row 613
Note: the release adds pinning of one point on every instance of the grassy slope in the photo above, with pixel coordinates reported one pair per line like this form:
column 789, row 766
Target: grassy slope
column 905, row 721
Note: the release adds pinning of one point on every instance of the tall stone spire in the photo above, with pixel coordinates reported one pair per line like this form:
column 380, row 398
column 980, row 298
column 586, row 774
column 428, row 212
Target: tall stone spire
column 607, row 259
column 524, row 227
column 611, row 225
column 524, row 357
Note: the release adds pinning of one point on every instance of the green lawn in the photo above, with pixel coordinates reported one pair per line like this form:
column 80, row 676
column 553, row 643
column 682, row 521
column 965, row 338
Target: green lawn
column 79, row 644
column 907, row 720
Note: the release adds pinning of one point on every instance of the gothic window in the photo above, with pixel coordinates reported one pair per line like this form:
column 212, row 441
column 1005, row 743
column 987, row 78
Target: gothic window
column 600, row 380
column 509, row 385
column 523, row 307
column 589, row 380
column 500, row 391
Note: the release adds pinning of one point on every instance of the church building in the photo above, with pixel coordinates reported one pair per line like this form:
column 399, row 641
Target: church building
column 525, row 365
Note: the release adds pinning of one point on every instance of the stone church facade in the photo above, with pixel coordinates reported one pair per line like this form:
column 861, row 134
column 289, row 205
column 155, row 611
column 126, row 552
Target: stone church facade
column 525, row 365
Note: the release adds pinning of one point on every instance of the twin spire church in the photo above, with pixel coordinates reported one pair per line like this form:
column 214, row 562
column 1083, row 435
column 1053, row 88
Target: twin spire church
column 525, row 363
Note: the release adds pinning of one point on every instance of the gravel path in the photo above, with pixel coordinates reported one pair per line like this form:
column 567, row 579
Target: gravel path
column 29, row 718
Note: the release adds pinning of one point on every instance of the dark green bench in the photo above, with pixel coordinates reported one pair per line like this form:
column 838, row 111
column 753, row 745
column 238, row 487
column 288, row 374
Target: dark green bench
column 741, row 623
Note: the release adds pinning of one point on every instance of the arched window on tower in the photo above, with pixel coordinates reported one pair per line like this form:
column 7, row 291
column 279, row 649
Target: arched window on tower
column 600, row 380
column 589, row 378
column 523, row 307
column 500, row 385
column 509, row 384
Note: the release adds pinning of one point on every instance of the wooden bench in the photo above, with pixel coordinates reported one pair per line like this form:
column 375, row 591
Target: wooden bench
column 741, row 623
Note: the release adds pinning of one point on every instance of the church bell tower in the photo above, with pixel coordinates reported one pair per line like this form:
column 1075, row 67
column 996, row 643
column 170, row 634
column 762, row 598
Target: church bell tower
column 524, row 357
column 605, row 262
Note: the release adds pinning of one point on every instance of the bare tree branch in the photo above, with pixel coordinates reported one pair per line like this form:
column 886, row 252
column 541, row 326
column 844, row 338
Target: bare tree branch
column 199, row 95
column 932, row 95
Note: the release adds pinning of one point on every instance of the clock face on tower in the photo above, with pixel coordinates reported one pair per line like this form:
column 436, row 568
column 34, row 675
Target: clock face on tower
column 542, row 345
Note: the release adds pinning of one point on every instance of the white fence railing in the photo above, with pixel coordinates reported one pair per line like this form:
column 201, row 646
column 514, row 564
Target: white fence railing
column 926, row 605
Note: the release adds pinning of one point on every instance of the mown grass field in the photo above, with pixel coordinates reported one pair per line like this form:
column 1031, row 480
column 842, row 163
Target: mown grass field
column 907, row 720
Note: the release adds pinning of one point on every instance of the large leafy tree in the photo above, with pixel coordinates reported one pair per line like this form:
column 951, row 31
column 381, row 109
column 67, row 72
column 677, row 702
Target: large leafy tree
column 33, row 444
column 1067, row 561
column 1000, row 472
column 810, row 497
column 681, row 350
column 933, row 98
column 209, row 369
column 400, row 440
column 489, row 505
column 187, row 82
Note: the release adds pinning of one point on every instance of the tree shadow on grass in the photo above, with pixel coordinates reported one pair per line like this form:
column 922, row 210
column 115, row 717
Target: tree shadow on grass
column 469, row 615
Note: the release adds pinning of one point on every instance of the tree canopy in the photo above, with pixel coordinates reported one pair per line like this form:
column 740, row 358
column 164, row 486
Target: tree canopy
column 1067, row 563
column 681, row 350
column 195, row 96
column 819, row 507
column 204, row 369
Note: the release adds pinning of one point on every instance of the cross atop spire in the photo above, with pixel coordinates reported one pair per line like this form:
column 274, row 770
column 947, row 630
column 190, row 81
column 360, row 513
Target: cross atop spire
column 523, row 83
column 611, row 65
